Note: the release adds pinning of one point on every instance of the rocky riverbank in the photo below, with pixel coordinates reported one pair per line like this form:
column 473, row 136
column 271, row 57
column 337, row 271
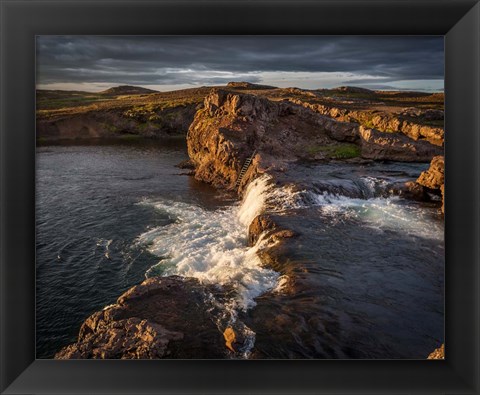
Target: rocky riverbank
column 163, row 317
column 275, row 128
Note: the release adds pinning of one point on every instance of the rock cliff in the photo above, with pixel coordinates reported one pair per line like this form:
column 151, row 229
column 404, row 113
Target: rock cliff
column 232, row 125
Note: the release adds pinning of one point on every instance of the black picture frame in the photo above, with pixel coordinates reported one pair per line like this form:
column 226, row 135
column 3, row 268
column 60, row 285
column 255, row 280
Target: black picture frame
column 21, row 21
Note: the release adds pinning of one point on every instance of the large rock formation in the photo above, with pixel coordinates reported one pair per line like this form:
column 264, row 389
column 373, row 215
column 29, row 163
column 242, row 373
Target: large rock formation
column 163, row 317
column 232, row 125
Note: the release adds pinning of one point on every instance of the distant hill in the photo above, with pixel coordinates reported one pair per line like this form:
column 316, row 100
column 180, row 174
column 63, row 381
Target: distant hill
column 352, row 89
column 248, row 85
column 127, row 90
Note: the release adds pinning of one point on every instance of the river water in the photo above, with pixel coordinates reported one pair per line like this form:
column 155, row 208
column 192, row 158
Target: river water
column 363, row 278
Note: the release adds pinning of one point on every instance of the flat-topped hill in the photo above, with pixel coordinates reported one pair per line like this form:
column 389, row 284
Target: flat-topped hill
column 127, row 90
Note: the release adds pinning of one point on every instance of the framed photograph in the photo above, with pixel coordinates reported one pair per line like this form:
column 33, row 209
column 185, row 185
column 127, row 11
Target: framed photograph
column 228, row 197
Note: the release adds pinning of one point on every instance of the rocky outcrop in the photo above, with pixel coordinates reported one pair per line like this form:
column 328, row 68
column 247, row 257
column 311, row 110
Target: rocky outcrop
column 438, row 353
column 163, row 317
column 434, row 177
column 395, row 146
column 232, row 125
column 411, row 124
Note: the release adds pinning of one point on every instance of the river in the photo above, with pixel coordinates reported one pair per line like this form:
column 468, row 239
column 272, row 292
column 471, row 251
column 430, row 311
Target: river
column 365, row 269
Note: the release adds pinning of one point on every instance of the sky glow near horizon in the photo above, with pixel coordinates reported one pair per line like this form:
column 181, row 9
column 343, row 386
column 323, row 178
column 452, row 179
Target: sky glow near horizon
column 96, row 63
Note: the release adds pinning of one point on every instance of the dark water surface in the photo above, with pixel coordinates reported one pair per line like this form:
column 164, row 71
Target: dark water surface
column 365, row 272
column 88, row 216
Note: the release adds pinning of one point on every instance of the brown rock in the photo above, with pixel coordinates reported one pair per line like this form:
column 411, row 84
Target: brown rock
column 130, row 338
column 260, row 224
column 186, row 164
column 438, row 353
column 163, row 317
column 442, row 190
column 232, row 125
column 394, row 146
column 412, row 190
column 433, row 178
column 264, row 224
column 230, row 338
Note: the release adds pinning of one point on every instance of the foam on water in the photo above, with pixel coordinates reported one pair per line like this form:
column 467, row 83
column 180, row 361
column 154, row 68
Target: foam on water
column 375, row 208
column 212, row 245
column 373, row 205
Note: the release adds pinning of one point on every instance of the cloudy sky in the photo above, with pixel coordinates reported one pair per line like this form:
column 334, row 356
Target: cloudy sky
column 94, row 63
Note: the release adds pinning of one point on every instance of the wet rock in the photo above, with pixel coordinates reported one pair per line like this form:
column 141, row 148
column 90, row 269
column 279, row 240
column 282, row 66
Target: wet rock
column 230, row 338
column 265, row 225
column 186, row 164
column 411, row 190
column 260, row 224
column 163, row 317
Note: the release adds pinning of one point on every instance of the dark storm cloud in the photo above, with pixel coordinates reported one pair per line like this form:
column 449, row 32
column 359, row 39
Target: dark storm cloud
column 164, row 60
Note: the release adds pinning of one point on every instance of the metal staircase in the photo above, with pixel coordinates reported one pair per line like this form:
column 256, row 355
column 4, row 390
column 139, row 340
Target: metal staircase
column 245, row 167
